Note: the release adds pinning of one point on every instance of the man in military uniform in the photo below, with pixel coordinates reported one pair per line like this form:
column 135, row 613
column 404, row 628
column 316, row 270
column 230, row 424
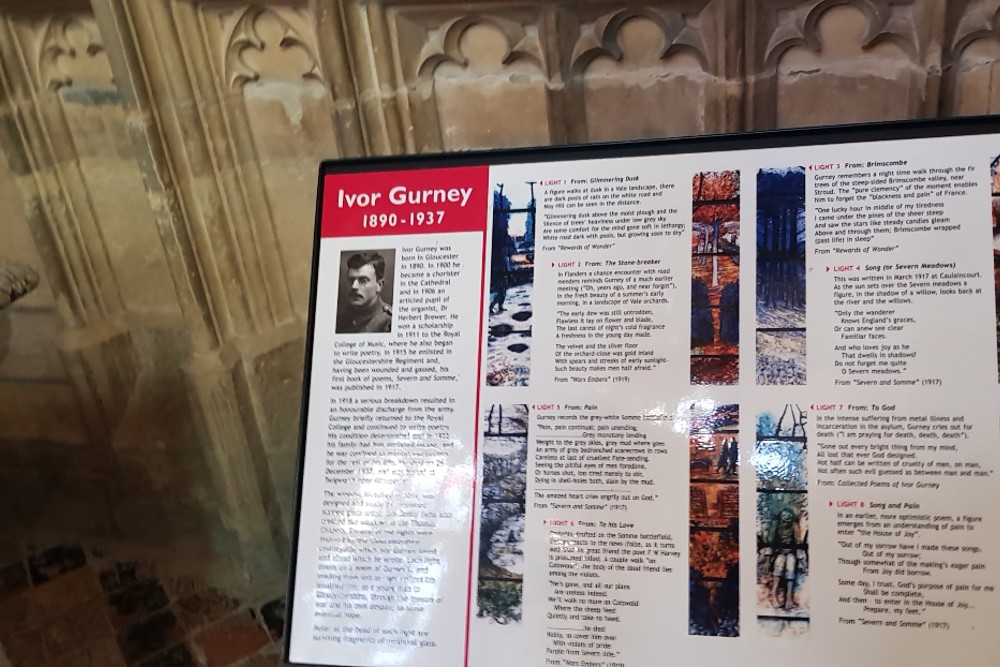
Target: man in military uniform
column 362, row 309
column 788, row 550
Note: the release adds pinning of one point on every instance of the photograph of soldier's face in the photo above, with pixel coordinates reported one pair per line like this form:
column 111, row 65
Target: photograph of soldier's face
column 364, row 304
column 364, row 286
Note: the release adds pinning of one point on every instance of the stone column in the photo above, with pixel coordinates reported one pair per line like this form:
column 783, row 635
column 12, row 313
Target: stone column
column 230, row 107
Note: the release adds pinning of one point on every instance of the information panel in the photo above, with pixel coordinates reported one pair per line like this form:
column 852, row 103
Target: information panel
column 727, row 400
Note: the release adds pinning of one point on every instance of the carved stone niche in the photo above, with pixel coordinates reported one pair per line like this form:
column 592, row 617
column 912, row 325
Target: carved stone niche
column 972, row 59
column 269, row 77
column 81, row 142
column 127, row 350
column 34, row 381
column 472, row 76
column 838, row 61
column 71, row 158
column 650, row 70
column 280, row 115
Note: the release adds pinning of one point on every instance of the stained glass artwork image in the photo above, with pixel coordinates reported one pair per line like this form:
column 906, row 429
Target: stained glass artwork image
column 779, row 461
column 501, row 525
column 781, row 276
column 512, row 281
column 715, row 278
column 714, row 512
column 995, row 206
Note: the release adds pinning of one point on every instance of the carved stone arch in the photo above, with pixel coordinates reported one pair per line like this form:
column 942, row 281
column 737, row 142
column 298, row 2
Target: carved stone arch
column 56, row 47
column 446, row 45
column 247, row 37
column 281, row 117
column 883, row 26
column 969, row 89
column 464, row 71
column 974, row 26
column 792, row 56
column 602, row 39
column 649, row 70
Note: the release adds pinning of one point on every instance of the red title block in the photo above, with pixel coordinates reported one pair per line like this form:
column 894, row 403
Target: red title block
column 418, row 201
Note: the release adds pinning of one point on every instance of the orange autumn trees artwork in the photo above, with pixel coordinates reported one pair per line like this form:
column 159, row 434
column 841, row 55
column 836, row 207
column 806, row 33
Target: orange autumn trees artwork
column 715, row 278
column 714, row 514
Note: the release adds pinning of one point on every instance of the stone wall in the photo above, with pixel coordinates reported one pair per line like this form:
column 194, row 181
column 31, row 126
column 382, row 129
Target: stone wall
column 158, row 166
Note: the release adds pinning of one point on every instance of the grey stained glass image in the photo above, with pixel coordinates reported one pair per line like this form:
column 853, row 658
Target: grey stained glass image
column 501, row 519
column 779, row 461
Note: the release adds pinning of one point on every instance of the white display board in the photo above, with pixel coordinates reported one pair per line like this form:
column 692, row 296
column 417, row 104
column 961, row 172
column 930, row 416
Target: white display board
column 729, row 400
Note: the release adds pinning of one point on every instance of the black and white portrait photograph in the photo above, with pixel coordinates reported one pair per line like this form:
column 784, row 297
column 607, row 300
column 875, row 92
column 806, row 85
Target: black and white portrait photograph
column 364, row 302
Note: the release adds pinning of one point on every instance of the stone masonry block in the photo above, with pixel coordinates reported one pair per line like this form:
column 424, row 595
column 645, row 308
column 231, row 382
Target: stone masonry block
column 177, row 656
column 234, row 638
column 82, row 626
column 55, row 561
column 104, row 653
column 37, row 607
column 115, row 576
column 13, row 578
column 269, row 656
column 273, row 615
column 24, row 649
column 145, row 638
column 198, row 609
column 136, row 600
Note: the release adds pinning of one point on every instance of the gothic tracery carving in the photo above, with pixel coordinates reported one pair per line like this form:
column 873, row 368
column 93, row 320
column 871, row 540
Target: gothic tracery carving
column 601, row 37
column 980, row 21
column 71, row 51
column 445, row 43
column 262, row 30
column 887, row 22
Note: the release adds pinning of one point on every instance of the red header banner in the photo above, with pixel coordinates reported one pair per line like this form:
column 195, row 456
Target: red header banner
column 418, row 201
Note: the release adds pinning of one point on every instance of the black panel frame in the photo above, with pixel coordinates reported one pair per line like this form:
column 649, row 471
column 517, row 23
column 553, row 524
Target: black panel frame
column 793, row 138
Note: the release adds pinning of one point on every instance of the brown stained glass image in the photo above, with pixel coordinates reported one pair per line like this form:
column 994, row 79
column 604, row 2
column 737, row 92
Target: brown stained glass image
column 715, row 277
column 714, row 505
column 714, row 456
column 714, row 512
column 995, row 188
column 714, row 554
